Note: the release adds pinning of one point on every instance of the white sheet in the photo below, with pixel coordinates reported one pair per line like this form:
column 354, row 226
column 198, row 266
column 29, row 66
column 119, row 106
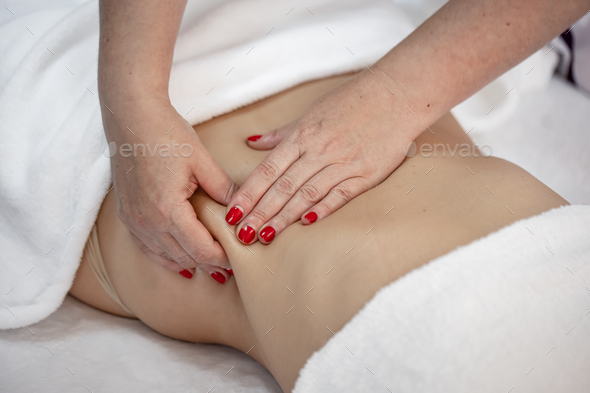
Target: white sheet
column 111, row 354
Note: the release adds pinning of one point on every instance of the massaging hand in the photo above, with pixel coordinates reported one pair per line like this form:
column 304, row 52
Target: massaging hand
column 152, row 189
column 153, row 184
column 344, row 144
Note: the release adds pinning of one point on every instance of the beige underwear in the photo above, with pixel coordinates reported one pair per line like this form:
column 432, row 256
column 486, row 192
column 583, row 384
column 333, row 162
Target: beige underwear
column 94, row 259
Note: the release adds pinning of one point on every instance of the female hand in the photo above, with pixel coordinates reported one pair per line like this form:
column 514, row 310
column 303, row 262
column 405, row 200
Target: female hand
column 164, row 162
column 345, row 143
column 158, row 161
column 351, row 139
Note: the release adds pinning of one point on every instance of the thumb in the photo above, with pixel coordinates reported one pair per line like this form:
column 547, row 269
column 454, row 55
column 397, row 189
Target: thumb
column 214, row 180
column 269, row 140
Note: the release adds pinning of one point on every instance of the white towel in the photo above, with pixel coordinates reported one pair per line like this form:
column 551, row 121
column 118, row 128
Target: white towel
column 53, row 174
column 508, row 312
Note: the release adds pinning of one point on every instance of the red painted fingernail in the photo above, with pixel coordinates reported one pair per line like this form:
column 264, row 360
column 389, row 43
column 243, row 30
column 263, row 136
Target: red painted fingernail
column 233, row 216
column 254, row 138
column 268, row 233
column 218, row 277
column 247, row 234
column 230, row 271
column 311, row 217
column 186, row 273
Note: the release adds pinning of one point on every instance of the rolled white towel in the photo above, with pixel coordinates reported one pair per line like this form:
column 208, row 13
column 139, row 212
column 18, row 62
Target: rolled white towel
column 508, row 312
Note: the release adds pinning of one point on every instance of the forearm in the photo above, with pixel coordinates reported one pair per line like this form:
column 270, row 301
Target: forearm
column 136, row 48
column 464, row 46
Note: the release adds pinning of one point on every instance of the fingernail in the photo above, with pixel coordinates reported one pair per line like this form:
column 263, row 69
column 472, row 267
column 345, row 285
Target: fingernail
column 218, row 277
column 233, row 216
column 311, row 217
column 254, row 138
column 186, row 273
column 247, row 234
column 267, row 233
column 230, row 271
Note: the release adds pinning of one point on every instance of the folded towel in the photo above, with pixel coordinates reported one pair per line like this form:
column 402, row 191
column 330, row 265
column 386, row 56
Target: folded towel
column 53, row 173
column 508, row 312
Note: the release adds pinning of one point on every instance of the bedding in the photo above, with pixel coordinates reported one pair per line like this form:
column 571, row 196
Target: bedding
column 77, row 348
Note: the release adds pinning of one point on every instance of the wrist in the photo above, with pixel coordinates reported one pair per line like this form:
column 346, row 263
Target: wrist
column 390, row 103
column 117, row 83
column 419, row 106
column 113, row 91
column 124, row 119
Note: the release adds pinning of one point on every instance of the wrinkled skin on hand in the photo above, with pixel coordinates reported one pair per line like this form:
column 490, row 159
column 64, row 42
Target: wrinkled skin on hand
column 153, row 179
column 346, row 142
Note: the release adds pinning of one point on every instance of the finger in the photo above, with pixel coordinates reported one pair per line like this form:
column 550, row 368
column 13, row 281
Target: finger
column 163, row 260
column 308, row 195
column 260, row 180
column 147, row 245
column 167, row 247
column 218, row 274
column 196, row 240
column 214, row 180
column 268, row 141
column 338, row 196
column 276, row 198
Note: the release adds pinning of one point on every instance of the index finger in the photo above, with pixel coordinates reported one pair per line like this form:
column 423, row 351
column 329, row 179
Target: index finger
column 260, row 180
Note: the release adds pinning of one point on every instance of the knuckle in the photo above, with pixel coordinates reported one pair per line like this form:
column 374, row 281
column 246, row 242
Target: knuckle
column 145, row 249
column 307, row 132
column 187, row 262
column 268, row 169
column 348, row 157
column 285, row 186
column 323, row 209
column 161, row 211
column 311, row 193
column 259, row 215
column 247, row 197
column 304, row 131
column 338, row 150
column 198, row 255
column 164, row 255
column 343, row 193
column 233, row 188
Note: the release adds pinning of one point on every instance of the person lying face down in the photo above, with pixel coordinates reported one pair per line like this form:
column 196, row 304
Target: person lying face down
column 287, row 299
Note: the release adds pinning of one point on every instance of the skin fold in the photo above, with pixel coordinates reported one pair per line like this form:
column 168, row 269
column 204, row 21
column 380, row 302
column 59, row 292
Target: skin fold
column 288, row 298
